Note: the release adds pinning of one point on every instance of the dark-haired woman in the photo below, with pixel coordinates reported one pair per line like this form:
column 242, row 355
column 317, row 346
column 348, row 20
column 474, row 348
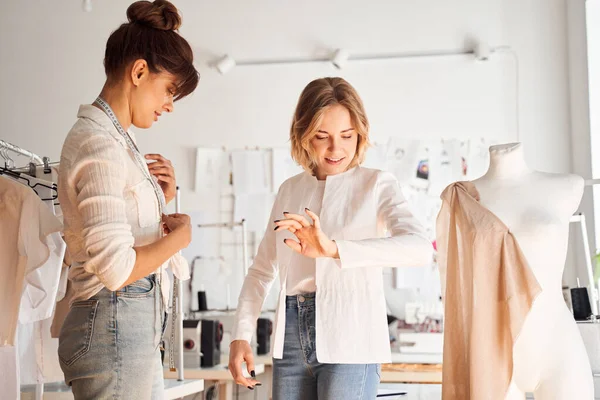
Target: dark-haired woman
column 113, row 204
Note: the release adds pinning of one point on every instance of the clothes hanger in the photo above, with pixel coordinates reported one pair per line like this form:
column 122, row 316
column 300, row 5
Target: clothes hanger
column 8, row 162
column 7, row 170
column 32, row 168
column 23, row 177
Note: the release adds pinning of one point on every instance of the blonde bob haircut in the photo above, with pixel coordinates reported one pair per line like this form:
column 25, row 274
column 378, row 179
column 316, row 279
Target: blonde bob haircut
column 315, row 99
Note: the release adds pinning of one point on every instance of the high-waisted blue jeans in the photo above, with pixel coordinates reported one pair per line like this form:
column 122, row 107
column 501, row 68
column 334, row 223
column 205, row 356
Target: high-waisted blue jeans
column 299, row 376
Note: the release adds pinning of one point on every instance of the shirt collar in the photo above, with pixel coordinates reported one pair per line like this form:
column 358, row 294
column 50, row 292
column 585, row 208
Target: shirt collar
column 309, row 177
column 99, row 117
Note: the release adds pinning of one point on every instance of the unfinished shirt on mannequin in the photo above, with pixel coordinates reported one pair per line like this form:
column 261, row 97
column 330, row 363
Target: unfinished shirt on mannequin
column 549, row 357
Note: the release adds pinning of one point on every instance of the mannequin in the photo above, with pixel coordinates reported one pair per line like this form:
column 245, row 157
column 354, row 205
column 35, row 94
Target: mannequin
column 549, row 357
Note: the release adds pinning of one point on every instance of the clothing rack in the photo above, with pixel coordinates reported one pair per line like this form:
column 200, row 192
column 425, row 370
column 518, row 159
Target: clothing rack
column 4, row 145
column 20, row 151
column 177, row 317
column 230, row 225
column 241, row 223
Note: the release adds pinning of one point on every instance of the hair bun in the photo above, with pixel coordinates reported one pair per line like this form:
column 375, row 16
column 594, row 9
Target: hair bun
column 159, row 14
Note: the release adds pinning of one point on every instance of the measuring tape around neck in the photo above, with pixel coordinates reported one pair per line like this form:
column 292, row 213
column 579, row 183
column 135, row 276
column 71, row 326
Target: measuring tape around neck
column 136, row 153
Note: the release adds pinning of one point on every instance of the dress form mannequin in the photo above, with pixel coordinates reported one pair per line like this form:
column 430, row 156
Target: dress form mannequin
column 549, row 357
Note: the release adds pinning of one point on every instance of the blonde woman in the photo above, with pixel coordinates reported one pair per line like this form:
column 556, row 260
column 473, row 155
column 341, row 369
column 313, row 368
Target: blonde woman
column 332, row 230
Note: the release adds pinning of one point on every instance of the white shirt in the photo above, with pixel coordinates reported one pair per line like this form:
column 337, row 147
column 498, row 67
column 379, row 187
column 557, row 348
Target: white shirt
column 27, row 224
column 9, row 378
column 108, row 206
column 38, row 351
column 26, row 273
column 42, row 284
column 301, row 274
column 364, row 211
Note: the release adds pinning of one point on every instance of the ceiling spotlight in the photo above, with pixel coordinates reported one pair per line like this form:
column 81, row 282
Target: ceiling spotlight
column 87, row 5
column 339, row 58
column 225, row 64
column 482, row 51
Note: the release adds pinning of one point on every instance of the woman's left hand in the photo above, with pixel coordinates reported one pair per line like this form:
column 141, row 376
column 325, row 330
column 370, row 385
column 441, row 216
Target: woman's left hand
column 163, row 170
column 312, row 242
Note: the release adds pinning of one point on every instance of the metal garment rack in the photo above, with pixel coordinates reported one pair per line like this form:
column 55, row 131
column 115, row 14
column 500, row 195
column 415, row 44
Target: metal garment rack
column 241, row 223
column 178, row 303
column 20, row 151
column 178, row 287
column 4, row 145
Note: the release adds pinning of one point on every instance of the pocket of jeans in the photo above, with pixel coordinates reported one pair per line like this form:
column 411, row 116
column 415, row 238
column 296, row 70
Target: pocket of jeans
column 139, row 289
column 77, row 331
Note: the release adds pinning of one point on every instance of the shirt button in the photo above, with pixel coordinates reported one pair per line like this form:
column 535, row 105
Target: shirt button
column 301, row 299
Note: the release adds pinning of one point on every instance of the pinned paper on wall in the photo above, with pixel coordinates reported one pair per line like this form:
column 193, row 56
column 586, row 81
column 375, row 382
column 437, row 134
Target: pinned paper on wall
column 445, row 165
column 255, row 208
column 423, row 169
column 212, row 168
column 376, row 156
column 249, row 172
column 403, row 159
column 283, row 167
column 253, row 197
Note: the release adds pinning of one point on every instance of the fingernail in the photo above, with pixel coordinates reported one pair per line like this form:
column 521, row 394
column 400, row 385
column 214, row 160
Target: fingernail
column 283, row 240
column 250, row 387
column 277, row 220
column 275, row 228
column 307, row 209
column 259, row 384
column 253, row 374
column 285, row 212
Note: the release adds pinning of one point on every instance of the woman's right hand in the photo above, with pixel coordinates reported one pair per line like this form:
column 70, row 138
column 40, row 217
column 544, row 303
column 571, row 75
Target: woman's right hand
column 180, row 223
column 239, row 352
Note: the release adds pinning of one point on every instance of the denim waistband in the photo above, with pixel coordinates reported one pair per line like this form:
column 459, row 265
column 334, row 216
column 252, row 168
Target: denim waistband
column 301, row 300
column 149, row 280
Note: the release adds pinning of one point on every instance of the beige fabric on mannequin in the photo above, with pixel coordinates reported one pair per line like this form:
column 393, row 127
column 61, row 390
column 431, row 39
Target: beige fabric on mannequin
column 488, row 291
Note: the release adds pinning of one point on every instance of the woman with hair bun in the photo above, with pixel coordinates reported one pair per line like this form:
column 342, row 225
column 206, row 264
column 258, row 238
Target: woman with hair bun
column 113, row 203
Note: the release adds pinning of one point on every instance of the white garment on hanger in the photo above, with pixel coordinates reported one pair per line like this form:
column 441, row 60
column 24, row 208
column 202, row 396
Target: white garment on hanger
column 9, row 378
column 38, row 354
column 41, row 284
column 25, row 244
column 52, row 177
column 48, row 190
column 37, row 350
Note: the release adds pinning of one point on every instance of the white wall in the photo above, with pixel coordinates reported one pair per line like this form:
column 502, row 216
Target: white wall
column 581, row 139
column 51, row 61
column 591, row 74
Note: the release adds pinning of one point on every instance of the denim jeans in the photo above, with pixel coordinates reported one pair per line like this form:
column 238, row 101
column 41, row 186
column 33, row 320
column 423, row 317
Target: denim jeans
column 109, row 344
column 299, row 376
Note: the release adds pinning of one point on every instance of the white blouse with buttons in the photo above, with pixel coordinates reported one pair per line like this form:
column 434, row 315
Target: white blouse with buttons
column 301, row 276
